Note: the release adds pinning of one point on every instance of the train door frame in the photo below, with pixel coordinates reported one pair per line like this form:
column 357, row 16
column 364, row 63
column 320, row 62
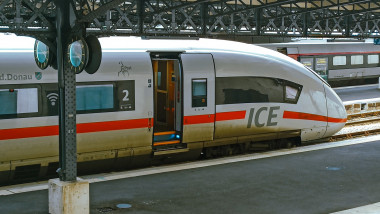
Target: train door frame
column 169, row 135
column 198, row 120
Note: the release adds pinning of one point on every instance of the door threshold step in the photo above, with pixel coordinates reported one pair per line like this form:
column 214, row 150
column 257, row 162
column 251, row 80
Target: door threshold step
column 170, row 151
column 166, row 143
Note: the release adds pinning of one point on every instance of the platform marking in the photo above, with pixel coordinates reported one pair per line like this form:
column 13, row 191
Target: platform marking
column 368, row 209
column 43, row 185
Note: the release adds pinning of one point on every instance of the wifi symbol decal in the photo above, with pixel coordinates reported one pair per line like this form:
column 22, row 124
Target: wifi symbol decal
column 53, row 97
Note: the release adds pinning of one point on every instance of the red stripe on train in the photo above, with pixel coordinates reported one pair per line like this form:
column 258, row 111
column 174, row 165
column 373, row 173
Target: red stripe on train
column 197, row 119
column 44, row 131
column 314, row 117
column 234, row 115
column 210, row 118
column 112, row 125
column 338, row 53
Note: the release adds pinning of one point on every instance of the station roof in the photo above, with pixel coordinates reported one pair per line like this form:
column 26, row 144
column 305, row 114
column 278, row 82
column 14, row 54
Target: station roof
column 201, row 18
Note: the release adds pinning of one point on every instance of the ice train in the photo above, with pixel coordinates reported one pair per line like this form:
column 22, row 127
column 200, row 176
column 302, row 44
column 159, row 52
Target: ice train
column 154, row 99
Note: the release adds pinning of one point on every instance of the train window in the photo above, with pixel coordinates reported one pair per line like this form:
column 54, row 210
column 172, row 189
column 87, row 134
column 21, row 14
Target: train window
column 18, row 101
column 199, row 92
column 373, row 59
column 292, row 92
column 321, row 64
column 159, row 79
column 162, row 75
column 233, row 90
column 339, row 60
column 356, row 59
column 95, row 97
column 308, row 62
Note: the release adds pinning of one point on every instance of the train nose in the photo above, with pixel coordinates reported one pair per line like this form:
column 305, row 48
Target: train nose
column 336, row 112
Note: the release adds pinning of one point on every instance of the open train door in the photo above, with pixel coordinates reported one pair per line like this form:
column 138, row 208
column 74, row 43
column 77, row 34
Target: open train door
column 199, row 97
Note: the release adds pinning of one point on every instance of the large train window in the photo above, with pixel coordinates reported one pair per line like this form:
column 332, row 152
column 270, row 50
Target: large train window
column 90, row 98
column 373, row 59
column 199, row 92
column 235, row 90
column 18, row 102
column 339, row 60
column 357, row 60
column 94, row 97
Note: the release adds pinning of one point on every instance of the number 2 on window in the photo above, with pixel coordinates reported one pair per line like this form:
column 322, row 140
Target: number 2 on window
column 126, row 95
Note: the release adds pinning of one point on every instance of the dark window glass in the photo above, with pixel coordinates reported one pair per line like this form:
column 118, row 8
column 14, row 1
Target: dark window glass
column 234, row 90
column 95, row 97
column 199, row 92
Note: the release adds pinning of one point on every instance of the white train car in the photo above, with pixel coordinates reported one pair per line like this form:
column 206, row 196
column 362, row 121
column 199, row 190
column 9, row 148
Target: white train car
column 339, row 63
column 158, row 98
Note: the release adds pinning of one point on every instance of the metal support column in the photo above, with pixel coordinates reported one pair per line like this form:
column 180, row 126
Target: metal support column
column 204, row 18
column 258, row 21
column 67, row 98
column 140, row 13
column 305, row 29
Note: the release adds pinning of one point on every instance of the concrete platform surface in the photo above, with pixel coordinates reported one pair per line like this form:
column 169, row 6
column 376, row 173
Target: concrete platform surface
column 319, row 181
column 361, row 92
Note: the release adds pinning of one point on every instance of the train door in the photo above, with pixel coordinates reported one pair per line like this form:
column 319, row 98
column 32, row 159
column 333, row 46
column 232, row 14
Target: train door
column 199, row 97
column 167, row 104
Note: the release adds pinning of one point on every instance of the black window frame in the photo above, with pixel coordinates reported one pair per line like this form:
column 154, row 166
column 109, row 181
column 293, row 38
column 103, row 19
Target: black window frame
column 282, row 82
column 198, row 97
column 293, row 85
column 43, row 89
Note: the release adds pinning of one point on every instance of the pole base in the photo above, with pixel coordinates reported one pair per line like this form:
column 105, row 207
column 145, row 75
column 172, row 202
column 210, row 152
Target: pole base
column 69, row 197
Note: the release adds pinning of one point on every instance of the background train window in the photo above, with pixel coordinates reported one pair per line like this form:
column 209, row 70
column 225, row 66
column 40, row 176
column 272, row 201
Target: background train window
column 95, row 97
column 373, row 59
column 308, row 62
column 356, row 59
column 339, row 60
column 321, row 65
column 234, row 90
column 18, row 101
column 199, row 92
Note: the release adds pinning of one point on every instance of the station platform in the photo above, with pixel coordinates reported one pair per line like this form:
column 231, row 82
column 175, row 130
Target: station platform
column 361, row 92
column 323, row 178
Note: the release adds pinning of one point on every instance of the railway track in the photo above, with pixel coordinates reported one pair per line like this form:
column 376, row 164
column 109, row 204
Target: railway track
column 363, row 119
